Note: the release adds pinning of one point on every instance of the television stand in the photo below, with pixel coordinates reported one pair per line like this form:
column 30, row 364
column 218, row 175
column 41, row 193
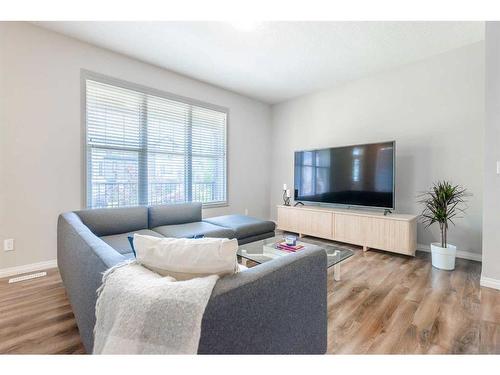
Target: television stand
column 387, row 212
column 396, row 232
column 298, row 204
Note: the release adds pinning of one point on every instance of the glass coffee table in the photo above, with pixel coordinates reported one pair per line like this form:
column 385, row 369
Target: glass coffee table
column 265, row 250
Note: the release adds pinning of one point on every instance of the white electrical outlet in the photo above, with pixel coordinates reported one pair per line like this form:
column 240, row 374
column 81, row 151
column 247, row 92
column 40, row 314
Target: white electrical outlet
column 246, row 211
column 498, row 167
column 8, row 245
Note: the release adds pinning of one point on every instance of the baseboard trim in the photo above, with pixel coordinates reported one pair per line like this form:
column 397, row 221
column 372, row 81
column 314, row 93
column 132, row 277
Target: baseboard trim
column 489, row 282
column 460, row 254
column 11, row 271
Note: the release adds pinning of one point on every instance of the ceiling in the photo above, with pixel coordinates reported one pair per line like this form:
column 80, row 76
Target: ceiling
column 275, row 61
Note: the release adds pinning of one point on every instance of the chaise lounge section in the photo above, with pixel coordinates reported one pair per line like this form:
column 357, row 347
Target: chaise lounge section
column 245, row 314
column 245, row 228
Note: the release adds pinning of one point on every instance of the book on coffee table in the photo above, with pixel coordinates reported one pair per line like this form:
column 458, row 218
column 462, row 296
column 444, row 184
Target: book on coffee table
column 284, row 246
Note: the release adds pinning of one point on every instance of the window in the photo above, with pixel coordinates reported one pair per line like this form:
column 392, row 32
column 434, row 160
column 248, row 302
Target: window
column 146, row 148
column 357, row 154
column 314, row 172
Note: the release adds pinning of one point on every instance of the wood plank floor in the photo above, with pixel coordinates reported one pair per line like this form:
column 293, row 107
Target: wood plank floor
column 36, row 317
column 392, row 304
column 385, row 303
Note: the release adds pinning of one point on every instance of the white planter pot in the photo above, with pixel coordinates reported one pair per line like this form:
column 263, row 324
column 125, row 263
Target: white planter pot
column 443, row 257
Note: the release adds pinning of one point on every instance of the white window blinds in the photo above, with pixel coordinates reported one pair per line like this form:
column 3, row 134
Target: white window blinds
column 148, row 149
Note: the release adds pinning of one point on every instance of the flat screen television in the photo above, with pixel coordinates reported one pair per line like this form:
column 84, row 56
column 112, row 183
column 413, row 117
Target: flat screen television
column 360, row 175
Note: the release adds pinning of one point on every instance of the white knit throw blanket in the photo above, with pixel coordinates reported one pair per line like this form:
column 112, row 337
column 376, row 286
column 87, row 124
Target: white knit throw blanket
column 141, row 312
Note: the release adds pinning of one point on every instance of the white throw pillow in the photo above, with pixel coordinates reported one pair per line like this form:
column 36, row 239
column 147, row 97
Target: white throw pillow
column 185, row 258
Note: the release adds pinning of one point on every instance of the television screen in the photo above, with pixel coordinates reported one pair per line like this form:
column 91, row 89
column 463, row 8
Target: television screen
column 361, row 175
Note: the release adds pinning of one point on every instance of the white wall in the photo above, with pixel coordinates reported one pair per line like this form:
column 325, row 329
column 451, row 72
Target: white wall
column 491, row 216
column 41, row 140
column 434, row 109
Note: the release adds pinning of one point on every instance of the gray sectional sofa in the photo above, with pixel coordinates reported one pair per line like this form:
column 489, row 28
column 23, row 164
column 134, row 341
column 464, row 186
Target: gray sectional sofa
column 276, row 307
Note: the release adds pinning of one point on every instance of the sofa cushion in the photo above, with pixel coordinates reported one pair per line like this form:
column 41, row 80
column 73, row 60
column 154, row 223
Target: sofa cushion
column 243, row 226
column 120, row 242
column 108, row 221
column 189, row 230
column 171, row 214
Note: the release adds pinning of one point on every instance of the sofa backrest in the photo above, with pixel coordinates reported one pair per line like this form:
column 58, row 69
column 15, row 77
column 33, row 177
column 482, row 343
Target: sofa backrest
column 171, row 214
column 108, row 221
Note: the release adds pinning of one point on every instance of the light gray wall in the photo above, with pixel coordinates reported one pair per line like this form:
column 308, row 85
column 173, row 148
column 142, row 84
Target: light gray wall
column 491, row 199
column 434, row 109
column 40, row 134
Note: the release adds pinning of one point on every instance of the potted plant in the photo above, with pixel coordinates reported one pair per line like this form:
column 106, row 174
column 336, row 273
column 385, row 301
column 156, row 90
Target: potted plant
column 442, row 203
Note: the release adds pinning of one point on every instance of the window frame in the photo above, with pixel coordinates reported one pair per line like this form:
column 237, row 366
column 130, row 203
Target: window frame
column 89, row 75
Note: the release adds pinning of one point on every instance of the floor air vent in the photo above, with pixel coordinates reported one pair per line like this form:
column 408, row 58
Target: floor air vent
column 27, row 277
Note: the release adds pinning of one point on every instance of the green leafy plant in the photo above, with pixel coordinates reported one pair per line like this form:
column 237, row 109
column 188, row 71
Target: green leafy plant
column 443, row 203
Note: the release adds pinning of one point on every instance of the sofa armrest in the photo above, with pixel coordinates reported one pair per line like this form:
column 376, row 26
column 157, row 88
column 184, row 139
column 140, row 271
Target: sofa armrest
column 279, row 307
column 82, row 257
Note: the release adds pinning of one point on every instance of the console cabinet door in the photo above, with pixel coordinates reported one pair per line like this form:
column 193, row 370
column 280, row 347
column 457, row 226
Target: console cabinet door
column 391, row 235
column 316, row 223
column 288, row 219
column 350, row 228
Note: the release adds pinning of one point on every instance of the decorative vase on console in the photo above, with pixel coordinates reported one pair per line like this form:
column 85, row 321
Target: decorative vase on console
column 286, row 195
